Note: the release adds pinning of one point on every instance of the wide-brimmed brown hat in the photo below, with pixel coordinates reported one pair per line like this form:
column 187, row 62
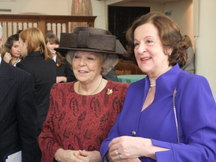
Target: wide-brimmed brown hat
column 92, row 40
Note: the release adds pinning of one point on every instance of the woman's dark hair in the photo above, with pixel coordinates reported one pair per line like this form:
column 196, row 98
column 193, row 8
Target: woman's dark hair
column 52, row 38
column 9, row 42
column 169, row 34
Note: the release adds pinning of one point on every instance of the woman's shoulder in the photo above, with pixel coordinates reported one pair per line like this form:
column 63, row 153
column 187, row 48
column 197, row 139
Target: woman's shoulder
column 115, row 88
column 63, row 86
column 190, row 78
column 192, row 82
column 118, row 84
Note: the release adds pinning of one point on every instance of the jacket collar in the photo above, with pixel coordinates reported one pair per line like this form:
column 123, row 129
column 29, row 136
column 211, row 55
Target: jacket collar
column 167, row 82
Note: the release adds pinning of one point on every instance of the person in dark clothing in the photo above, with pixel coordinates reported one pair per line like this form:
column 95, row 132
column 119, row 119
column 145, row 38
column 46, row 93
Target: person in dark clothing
column 18, row 114
column 64, row 72
column 11, row 52
column 38, row 63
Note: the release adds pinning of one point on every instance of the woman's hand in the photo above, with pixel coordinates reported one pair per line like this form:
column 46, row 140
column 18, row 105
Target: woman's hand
column 60, row 79
column 126, row 147
column 125, row 160
column 62, row 155
column 93, row 156
column 7, row 57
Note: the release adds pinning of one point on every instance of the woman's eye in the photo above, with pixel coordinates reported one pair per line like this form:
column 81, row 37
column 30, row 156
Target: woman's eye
column 91, row 58
column 76, row 57
column 136, row 44
column 149, row 42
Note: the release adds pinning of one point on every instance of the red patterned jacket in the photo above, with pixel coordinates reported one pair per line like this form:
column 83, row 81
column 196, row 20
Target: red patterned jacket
column 79, row 122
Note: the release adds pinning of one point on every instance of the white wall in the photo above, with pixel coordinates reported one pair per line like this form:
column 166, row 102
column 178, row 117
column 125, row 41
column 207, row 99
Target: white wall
column 12, row 5
column 55, row 7
column 100, row 10
column 182, row 13
column 206, row 42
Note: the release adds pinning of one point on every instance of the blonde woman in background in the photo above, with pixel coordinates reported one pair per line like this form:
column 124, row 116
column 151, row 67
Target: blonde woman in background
column 38, row 63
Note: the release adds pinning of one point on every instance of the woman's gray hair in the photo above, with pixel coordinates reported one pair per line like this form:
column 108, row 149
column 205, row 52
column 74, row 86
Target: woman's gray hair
column 1, row 31
column 1, row 38
column 109, row 61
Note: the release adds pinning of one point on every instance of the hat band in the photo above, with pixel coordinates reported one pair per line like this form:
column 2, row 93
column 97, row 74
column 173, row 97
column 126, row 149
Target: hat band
column 88, row 40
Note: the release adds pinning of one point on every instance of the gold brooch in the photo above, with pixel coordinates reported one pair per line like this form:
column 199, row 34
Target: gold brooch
column 109, row 91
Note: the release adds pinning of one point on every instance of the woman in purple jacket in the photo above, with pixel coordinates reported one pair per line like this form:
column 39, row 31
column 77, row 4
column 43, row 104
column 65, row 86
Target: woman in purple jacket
column 169, row 116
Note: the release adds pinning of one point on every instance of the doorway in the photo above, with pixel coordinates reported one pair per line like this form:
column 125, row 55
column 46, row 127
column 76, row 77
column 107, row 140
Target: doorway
column 120, row 19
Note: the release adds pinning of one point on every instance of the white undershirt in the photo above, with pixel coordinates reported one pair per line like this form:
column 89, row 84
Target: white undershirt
column 54, row 58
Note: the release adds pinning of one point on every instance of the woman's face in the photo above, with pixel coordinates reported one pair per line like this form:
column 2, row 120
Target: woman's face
column 51, row 46
column 86, row 66
column 148, row 50
column 23, row 47
column 15, row 49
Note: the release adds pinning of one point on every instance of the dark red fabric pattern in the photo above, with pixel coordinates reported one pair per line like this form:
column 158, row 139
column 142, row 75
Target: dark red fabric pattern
column 79, row 122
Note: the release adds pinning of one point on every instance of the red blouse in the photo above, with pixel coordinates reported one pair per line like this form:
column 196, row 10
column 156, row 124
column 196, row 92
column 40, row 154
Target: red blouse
column 79, row 122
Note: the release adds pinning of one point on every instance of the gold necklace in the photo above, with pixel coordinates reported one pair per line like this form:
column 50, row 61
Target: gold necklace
column 93, row 91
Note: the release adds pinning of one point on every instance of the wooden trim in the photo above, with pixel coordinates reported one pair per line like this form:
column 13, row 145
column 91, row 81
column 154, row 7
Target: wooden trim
column 10, row 21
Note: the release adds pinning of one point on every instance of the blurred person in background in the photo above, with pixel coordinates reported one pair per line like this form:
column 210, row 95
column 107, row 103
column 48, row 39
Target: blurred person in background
column 63, row 69
column 11, row 50
column 40, row 65
column 18, row 114
column 190, row 63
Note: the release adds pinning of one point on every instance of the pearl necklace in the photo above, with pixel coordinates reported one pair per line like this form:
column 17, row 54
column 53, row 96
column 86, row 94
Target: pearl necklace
column 152, row 85
column 93, row 91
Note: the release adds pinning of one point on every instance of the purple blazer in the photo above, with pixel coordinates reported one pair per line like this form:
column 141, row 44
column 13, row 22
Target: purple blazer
column 195, row 113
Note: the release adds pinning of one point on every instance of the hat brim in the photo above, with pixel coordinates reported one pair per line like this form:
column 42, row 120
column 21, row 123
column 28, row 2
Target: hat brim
column 64, row 50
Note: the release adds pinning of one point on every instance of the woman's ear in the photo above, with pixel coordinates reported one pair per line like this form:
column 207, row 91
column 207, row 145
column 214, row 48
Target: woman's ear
column 168, row 51
column 1, row 41
column 102, row 71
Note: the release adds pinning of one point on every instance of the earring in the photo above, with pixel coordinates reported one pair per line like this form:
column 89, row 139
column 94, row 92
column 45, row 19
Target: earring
column 102, row 71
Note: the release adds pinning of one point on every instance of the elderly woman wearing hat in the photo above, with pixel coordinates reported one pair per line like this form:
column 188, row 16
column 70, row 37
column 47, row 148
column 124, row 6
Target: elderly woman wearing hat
column 81, row 113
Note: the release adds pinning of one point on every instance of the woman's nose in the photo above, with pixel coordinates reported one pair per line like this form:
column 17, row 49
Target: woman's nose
column 141, row 48
column 82, row 62
column 19, row 49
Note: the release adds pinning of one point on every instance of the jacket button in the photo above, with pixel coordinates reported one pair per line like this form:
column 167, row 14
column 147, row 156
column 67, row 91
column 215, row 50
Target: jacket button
column 133, row 133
